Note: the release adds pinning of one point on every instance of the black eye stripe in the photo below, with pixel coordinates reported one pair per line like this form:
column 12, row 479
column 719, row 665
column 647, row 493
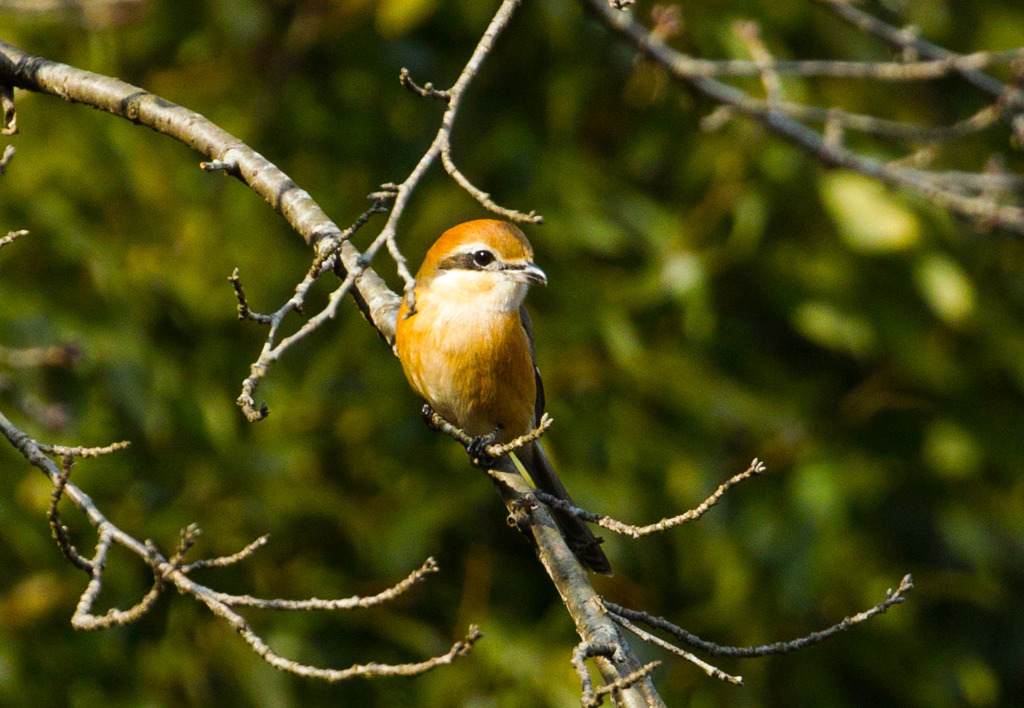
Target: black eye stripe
column 476, row 260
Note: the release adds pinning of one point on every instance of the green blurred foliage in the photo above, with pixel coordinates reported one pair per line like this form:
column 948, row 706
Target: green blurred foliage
column 714, row 297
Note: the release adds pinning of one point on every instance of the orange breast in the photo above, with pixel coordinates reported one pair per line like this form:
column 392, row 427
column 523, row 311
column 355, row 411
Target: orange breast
column 473, row 368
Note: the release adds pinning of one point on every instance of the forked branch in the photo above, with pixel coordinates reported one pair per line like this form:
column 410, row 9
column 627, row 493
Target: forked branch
column 395, row 196
column 625, row 677
column 520, row 504
column 999, row 209
column 174, row 573
column 626, row 618
column 607, row 522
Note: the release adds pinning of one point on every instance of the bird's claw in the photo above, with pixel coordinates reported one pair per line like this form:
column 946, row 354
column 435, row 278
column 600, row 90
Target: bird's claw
column 478, row 454
column 477, row 449
column 428, row 417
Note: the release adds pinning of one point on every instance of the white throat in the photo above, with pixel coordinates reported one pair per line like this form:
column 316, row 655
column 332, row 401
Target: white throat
column 478, row 290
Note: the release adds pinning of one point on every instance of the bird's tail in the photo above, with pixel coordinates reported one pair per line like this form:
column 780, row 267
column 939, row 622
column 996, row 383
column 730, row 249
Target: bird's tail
column 584, row 544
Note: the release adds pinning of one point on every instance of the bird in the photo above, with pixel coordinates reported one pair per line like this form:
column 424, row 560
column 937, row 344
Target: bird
column 465, row 342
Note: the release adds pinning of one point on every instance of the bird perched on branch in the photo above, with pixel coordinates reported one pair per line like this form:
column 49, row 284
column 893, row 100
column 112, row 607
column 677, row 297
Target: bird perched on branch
column 466, row 346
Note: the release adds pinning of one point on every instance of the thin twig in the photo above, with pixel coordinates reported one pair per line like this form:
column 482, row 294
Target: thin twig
column 226, row 561
column 348, row 603
column 483, row 197
column 173, row 572
column 892, row 597
column 582, row 652
column 607, row 522
column 273, row 350
column 403, row 191
column 589, row 697
column 427, row 90
column 187, row 539
column 749, row 33
column 710, row 670
column 244, row 313
column 627, row 681
column 59, row 530
column 870, row 125
column 5, row 159
column 78, row 451
column 83, row 617
column 831, row 152
column 438, row 423
column 11, row 236
column 325, row 261
column 458, row 649
column 968, row 66
column 9, row 124
column 895, row 71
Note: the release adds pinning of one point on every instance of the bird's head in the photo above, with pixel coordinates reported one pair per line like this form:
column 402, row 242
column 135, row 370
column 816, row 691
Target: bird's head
column 486, row 262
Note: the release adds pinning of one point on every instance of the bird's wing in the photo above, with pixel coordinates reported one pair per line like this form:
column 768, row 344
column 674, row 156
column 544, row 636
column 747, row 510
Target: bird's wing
column 524, row 318
column 578, row 535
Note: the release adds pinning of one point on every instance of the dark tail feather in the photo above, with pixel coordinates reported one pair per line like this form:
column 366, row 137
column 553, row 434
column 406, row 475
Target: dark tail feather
column 584, row 544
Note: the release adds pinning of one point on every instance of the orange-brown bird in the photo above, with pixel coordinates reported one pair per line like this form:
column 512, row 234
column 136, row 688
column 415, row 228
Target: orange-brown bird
column 467, row 349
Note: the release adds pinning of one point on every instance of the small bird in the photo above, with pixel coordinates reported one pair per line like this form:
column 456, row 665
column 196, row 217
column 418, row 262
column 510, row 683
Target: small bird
column 466, row 346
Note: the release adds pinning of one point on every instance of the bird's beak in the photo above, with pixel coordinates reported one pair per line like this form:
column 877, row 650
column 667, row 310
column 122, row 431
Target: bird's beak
column 529, row 274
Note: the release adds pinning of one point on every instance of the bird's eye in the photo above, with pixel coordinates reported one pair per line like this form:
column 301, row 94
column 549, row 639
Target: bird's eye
column 483, row 258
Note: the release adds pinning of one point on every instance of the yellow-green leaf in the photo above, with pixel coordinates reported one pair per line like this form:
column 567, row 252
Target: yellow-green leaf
column 869, row 217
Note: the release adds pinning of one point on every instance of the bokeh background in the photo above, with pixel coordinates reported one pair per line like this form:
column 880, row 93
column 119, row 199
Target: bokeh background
column 714, row 297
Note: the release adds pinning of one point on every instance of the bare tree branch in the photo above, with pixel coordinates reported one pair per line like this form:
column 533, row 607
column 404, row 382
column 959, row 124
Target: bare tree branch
column 65, row 451
column 9, row 124
column 12, row 236
column 602, row 639
column 379, row 305
column 5, row 159
column 274, row 349
column 441, row 145
column 590, row 697
column 439, row 424
column 870, row 125
column 892, row 597
column 398, row 196
column 749, row 33
column 224, row 151
column 173, row 572
column 348, row 603
column 59, row 530
column 1012, row 98
column 442, row 142
column 607, row 522
column 712, row 671
column 828, row 147
column 593, row 623
column 896, row 71
column 230, row 560
column 427, row 90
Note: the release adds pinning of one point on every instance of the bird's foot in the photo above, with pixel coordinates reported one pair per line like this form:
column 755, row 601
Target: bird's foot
column 477, row 449
column 428, row 417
